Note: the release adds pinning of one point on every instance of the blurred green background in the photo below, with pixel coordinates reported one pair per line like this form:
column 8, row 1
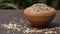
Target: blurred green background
column 21, row 4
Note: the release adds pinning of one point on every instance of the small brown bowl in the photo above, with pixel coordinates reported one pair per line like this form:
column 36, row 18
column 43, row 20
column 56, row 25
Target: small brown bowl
column 40, row 19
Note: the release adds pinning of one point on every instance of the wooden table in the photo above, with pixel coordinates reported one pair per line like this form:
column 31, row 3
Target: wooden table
column 14, row 22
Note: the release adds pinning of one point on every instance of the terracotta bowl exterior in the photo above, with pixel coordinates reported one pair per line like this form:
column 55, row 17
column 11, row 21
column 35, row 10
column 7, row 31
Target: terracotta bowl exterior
column 40, row 19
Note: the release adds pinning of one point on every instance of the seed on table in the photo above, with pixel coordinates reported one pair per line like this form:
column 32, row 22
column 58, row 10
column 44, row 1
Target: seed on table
column 46, row 29
column 46, row 32
column 32, row 30
column 39, row 31
column 8, row 31
column 50, row 31
column 21, row 19
column 59, row 28
column 53, row 28
column 43, row 30
column 14, row 18
column 23, row 31
column 55, row 32
column 18, row 29
column 56, row 27
column 28, row 29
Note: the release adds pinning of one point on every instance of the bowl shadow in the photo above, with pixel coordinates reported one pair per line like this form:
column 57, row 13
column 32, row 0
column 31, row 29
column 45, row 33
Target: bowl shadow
column 51, row 25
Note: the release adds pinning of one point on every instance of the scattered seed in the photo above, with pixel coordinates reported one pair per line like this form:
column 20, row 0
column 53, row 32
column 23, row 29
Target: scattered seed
column 50, row 31
column 46, row 32
column 14, row 18
column 8, row 31
column 37, row 31
column 23, row 31
column 55, row 32
column 53, row 29
column 30, row 33
column 11, row 26
column 56, row 27
column 28, row 30
column 59, row 28
column 18, row 29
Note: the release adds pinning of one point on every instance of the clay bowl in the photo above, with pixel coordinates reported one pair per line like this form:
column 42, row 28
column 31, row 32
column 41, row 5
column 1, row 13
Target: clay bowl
column 40, row 19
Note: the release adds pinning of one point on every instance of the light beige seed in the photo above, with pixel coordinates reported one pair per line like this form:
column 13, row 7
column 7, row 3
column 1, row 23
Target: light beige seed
column 32, row 30
column 41, row 30
column 59, row 28
column 27, row 31
column 56, row 27
column 14, row 18
column 50, row 31
column 8, row 31
column 55, row 32
column 46, row 32
column 30, row 33
column 23, row 31
column 18, row 29
column 37, row 31
column 46, row 29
